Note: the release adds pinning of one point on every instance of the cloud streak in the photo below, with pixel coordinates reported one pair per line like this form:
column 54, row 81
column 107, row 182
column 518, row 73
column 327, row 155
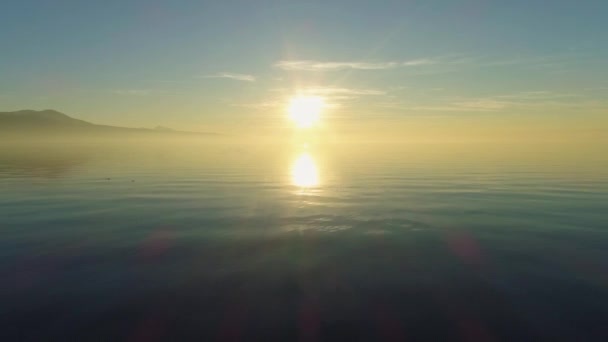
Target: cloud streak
column 344, row 91
column 447, row 63
column 418, row 62
column 311, row 65
column 523, row 100
column 260, row 105
column 233, row 76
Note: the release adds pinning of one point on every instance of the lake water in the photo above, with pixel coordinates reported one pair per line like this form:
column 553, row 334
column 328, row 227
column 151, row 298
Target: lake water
column 348, row 242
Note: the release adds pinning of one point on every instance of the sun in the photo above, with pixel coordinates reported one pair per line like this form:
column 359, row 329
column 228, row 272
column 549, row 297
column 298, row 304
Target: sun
column 305, row 111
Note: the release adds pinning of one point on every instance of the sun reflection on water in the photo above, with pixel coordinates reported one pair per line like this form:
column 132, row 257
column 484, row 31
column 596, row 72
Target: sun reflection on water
column 304, row 172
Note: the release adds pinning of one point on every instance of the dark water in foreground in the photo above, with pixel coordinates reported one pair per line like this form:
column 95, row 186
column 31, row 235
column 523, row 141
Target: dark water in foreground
column 372, row 243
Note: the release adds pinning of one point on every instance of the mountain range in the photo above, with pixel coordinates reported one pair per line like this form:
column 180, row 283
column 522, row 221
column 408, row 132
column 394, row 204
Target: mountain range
column 52, row 122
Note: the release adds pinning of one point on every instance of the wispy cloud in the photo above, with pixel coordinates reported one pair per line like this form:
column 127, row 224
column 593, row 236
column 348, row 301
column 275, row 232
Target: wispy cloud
column 479, row 105
column 461, row 62
column 343, row 91
column 233, row 76
column 260, row 105
column 143, row 92
column 537, row 95
column 418, row 62
column 312, row 65
column 328, row 91
column 335, row 96
column 597, row 88
column 522, row 100
column 309, row 65
column 443, row 63
column 551, row 63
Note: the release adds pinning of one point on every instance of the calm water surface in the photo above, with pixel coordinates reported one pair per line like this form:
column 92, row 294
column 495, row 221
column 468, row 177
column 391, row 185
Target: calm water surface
column 319, row 242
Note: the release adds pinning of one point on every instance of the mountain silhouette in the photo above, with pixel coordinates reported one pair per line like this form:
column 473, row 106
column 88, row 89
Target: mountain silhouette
column 53, row 122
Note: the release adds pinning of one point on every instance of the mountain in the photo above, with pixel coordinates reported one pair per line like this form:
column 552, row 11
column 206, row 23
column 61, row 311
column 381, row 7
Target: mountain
column 31, row 119
column 51, row 122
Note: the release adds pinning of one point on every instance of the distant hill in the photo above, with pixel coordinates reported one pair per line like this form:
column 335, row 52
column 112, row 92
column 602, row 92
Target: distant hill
column 51, row 122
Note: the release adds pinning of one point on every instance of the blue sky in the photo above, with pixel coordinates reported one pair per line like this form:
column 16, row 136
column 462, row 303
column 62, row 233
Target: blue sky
column 228, row 63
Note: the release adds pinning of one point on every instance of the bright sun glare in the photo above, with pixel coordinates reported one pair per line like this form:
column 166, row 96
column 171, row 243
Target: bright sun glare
column 304, row 172
column 306, row 110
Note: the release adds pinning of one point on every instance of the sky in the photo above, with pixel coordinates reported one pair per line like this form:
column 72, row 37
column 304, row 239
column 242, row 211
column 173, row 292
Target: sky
column 400, row 67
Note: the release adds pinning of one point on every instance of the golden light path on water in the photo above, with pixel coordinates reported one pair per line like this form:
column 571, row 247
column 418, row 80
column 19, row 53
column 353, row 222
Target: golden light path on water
column 304, row 171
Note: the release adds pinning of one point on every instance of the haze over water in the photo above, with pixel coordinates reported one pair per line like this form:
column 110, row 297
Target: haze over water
column 221, row 241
